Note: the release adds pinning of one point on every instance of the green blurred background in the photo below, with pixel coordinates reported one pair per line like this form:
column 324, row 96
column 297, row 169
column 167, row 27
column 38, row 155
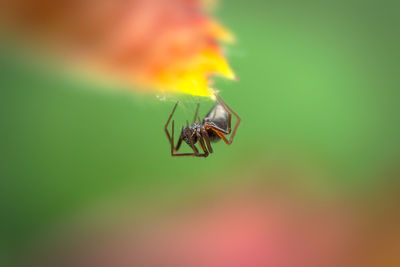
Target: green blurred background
column 317, row 91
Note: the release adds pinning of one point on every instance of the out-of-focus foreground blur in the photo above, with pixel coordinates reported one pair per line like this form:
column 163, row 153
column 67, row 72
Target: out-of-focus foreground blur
column 312, row 178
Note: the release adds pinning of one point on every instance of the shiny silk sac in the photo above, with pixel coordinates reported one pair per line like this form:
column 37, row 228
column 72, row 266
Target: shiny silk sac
column 153, row 45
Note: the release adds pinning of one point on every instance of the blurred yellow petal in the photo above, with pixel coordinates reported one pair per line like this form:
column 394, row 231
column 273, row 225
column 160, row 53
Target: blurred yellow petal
column 220, row 32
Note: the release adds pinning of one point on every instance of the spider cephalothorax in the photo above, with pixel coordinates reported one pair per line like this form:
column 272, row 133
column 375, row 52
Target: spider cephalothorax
column 190, row 133
column 214, row 127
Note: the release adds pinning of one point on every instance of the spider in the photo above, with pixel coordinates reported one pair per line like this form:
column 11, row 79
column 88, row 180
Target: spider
column 215, row 126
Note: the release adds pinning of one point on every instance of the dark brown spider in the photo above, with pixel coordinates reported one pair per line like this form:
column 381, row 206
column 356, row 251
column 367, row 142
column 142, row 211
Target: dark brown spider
column 215, row 126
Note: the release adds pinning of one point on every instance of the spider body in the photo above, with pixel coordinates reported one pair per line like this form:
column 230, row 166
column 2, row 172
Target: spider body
column 215, row 126
column 191, row 133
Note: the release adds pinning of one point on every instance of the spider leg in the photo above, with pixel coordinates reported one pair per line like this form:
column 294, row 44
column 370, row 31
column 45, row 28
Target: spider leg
column 197, row 113
column 171, row 137
column 213, row 126
column 220, row 132
column 202, row 145
column 194, row 154
column 173, row 148
column 178, row 145
column 166, row 126
column 222, row 136
column 195, row 150
column 230, row 111
column 189, row 155
column 207, row 139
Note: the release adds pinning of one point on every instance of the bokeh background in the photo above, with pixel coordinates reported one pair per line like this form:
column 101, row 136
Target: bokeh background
column 312, row 178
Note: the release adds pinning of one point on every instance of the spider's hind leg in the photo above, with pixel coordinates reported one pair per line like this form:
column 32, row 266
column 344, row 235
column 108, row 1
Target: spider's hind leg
column 230, row 112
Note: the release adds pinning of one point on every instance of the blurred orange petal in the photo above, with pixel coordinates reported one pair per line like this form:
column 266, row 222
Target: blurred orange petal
column 165, row 45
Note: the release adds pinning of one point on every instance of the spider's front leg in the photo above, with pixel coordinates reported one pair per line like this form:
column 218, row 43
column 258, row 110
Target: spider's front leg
column 166, row 126
column 173, row 148
column 171, row 137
